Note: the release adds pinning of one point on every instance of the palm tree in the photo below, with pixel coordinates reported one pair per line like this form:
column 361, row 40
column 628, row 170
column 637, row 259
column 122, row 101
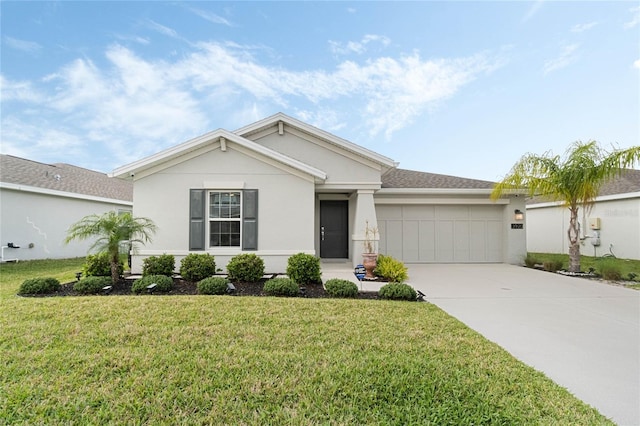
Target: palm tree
column 111, row 229
column 575, row 180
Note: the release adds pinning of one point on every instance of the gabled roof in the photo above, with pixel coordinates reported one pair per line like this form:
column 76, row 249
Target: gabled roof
column 401, row 178
column 272, row 121
column 209, row 138
column 16, row 171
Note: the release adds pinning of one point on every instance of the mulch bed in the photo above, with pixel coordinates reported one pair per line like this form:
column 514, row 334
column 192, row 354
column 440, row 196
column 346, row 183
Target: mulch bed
column 182, row 287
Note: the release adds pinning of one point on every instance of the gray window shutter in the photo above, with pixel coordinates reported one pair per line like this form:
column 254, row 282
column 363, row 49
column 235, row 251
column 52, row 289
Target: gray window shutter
column 250, row 219
column 197, row 210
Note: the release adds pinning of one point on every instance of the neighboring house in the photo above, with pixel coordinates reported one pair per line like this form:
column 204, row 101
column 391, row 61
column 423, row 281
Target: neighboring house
column 280, row 186
column 38, row 203
column 613, row 222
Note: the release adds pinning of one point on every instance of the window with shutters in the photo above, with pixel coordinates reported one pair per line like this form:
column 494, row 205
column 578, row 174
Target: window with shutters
column 225, row 218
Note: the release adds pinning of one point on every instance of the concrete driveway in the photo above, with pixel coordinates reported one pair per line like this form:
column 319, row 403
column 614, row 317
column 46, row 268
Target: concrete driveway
column 584, row 335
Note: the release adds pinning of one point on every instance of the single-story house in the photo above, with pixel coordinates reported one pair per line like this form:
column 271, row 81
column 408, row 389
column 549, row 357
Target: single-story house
column 38, row 203
column 280, row 186
column 611, row 226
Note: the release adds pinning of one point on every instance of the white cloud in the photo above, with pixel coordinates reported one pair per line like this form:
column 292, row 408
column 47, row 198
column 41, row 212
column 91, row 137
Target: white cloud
column 578, row 28
column 358, row 47
column 17, row 91
column 636, row 64
column 635, row 19
column 170, row 32
column 533, row 9
column 211, row 17
column 566, row 58
column 135, row 107
column 23, row 45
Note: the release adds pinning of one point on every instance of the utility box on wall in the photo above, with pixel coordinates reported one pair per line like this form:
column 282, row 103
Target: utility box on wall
column 594, row 223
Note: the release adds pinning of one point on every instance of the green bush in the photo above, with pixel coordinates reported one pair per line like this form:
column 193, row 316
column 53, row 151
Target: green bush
column 609, row 271
column 341, row 288
column 197, row 266
column 99, row 265
column 304, row 269
column 397, row 291
column 91, row 285
column 245, row 267
column 159, row 265
column 552, row 265
column 391, row 269
column 164, row 283
column 281, row 287
column 39, row 286
column 213, row 285
column 530, row 260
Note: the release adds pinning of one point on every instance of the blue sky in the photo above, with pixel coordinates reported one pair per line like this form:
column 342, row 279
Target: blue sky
column 459, row 88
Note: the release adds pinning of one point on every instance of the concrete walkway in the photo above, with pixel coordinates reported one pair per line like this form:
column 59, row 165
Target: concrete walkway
column 584, row 335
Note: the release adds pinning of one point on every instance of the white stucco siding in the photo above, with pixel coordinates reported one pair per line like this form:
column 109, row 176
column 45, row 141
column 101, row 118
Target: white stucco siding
column 43, row 220
column 619, row 221
column 285, row 205
column 338, row 164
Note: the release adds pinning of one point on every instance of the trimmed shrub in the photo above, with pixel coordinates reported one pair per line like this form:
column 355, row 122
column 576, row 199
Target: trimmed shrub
column 159, row 265
column 213, row 285
column 304, row 269
column 164, row 283
column 245, row 267
column 197, row 266
column 391, row 269
column 552, row 265
column 39, row 286
column 91, row 285
column 609, row 271
column 99, row 265
column 281, row 287
column 341, row 288
column 397, row 291
column 530, row 260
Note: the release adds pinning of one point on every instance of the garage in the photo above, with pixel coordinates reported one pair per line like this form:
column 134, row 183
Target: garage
column 442, row 233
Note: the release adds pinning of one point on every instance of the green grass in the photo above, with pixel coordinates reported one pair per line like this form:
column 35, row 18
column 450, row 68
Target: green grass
column 625, row 266
column 249, row 360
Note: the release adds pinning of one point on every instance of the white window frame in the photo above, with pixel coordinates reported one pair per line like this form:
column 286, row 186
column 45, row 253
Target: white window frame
column 223, row 219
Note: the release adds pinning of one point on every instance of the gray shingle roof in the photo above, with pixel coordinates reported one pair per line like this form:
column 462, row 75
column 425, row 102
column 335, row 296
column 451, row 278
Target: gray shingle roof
column 627, row 182
column 402, row 178
column 63, row 177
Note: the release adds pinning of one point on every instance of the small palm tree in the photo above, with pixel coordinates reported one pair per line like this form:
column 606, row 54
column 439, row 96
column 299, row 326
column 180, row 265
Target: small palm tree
column 575, row 180
column 111, row 229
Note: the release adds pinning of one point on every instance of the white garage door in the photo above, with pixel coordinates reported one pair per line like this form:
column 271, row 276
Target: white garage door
column 441, row 233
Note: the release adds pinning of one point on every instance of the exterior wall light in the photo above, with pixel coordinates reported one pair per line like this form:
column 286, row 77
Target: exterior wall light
column 518, row 215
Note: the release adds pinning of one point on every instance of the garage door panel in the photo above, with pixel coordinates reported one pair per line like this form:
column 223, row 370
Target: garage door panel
column 444, row 241
column 461, row 241
column 427, row 238
column 442, row 233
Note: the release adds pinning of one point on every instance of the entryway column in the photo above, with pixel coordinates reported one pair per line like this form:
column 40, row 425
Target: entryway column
column 365, row 213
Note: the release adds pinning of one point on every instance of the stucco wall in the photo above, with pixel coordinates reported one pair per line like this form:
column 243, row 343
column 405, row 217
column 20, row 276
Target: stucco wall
column 620, row 227
column 43, row 220
column 320, row 154
column 285, row 209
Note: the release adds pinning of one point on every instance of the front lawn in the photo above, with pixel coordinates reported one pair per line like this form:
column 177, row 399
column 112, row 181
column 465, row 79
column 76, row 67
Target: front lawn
column 249, row 360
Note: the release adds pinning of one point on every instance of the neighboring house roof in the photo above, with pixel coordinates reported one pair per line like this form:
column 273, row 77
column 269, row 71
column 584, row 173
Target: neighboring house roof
column 628, row 182
column 20, row 172
column 401, row 178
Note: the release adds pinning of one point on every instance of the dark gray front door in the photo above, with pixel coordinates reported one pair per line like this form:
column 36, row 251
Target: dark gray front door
column 334, row 229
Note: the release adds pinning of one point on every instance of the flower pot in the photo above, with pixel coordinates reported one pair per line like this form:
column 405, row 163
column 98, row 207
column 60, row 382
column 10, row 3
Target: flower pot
column 369, row 261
